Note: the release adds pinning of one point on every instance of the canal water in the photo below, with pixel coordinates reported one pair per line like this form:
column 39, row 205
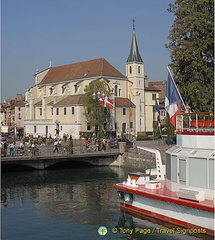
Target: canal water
column 72, row 203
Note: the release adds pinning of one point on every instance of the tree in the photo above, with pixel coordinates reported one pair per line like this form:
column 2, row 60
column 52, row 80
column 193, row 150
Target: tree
column 192, row 52
column 96, row 115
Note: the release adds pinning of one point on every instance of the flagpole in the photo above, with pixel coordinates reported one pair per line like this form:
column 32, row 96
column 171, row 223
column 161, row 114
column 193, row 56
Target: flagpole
column 176, row 88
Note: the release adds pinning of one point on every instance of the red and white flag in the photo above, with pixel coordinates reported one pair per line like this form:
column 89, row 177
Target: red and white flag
column 106, row 102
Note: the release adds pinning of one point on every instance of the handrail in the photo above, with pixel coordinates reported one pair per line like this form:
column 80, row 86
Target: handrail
column 159, row 165
column 202, row 121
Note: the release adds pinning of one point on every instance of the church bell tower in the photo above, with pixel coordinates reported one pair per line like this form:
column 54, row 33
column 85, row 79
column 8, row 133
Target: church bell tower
column 135, row 73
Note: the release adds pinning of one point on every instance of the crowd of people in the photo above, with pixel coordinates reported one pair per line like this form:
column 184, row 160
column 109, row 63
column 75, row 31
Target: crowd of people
column 30, row 144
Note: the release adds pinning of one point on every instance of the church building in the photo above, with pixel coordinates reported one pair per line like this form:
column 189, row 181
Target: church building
column 57, row 99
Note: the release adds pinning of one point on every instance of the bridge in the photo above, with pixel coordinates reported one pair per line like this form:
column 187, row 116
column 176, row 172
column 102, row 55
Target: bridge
column 43, row 162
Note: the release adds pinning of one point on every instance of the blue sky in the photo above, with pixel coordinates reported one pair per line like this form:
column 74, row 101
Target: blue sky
column 69, row 31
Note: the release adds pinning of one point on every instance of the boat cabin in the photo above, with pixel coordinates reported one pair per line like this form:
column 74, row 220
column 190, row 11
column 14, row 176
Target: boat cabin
column 190, row 163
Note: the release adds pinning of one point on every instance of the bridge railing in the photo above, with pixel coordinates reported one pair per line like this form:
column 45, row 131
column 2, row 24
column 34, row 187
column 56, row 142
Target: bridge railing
column 79, row 147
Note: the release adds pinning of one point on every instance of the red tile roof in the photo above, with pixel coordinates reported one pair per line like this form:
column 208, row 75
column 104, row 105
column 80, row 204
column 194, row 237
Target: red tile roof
column 80, row 70
column 151, row 88
column 71, row 100
column 123, row 102
column 81, row 99
column 161, row 85
column 39, row 103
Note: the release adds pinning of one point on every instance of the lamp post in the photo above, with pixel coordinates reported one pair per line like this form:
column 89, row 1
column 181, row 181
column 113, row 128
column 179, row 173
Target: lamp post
column 96, row 97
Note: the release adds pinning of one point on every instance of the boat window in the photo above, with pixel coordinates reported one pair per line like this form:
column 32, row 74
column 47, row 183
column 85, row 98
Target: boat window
column 211, row 173
column 173, row 149
column 182, row 171
column 198, row 172
column 168, row 166
column 174, row 173
column 202, row 152
column 184, row 151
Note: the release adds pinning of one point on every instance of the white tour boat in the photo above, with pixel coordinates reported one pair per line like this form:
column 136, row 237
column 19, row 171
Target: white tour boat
column 184, row 196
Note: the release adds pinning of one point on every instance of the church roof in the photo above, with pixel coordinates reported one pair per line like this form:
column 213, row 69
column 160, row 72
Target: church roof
column 72, row 100
column 123, row 102
column 81, row 99
column 134, row 55
column 80, row 70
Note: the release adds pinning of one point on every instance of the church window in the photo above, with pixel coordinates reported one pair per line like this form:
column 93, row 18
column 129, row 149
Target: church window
column 123, row 127
column 130, row 69
column 124, row 111
column 50, row 91
column 139, row 69
column 76, row 87
column 131, row 124
column 40, row 111
column 35, row 129
column 119, row 92
column 51, row 111
column 73, row 110
column 63, row 89
column 57, row 111
column 64, row 110
column 115, row 90
column 47, row 130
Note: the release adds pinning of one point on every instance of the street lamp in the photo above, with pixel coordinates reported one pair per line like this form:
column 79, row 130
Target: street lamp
column 96, row 97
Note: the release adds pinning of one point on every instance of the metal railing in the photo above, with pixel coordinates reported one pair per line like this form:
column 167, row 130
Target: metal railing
column 48, row 150
column 195, row 122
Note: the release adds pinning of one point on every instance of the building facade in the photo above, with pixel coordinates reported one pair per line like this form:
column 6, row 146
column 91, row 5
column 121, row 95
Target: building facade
column 57, row 99
column 12, row 115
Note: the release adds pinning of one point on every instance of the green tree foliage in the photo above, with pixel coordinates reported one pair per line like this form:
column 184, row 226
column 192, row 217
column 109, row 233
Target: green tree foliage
column 192, row 52
column 95, row 114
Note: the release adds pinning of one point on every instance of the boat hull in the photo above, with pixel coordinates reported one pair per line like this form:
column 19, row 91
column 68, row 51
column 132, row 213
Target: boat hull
column 196, row 220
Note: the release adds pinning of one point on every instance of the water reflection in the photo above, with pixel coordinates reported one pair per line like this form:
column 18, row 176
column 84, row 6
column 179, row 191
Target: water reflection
column 66, row 204
column 149, row 228
column 87, row 192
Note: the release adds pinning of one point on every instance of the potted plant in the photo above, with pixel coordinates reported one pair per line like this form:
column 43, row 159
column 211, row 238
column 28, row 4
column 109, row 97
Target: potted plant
column 33, row 150
column 68, row 149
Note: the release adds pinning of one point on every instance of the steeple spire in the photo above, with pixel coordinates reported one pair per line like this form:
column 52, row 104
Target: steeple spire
column 134, row 55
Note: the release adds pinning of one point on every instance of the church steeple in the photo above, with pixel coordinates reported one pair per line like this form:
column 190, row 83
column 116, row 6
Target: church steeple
column 134, row 55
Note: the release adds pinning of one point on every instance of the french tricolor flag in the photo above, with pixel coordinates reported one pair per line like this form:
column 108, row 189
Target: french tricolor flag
column 173, row 100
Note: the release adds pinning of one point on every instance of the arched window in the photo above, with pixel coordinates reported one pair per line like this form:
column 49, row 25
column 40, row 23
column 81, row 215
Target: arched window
column 139, row 69
column 130, row 68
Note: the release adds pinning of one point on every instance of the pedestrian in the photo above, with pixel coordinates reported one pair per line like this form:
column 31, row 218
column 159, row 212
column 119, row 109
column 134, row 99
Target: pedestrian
column 134, row 142
column 60, row 145
column 64, row 137
column 22, row 148
column 11, row 146
column 87, row 144
column 96, row 145
column 71, row 141
column 104, row 144
column 56, row 146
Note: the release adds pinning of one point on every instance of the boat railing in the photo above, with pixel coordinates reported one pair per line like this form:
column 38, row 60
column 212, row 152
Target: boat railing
column 195, row 122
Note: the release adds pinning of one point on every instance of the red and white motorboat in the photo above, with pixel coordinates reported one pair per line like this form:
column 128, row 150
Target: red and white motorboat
column 184, row 196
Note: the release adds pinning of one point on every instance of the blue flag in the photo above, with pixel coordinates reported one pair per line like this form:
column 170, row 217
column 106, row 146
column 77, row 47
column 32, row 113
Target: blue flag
column 157, row 108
